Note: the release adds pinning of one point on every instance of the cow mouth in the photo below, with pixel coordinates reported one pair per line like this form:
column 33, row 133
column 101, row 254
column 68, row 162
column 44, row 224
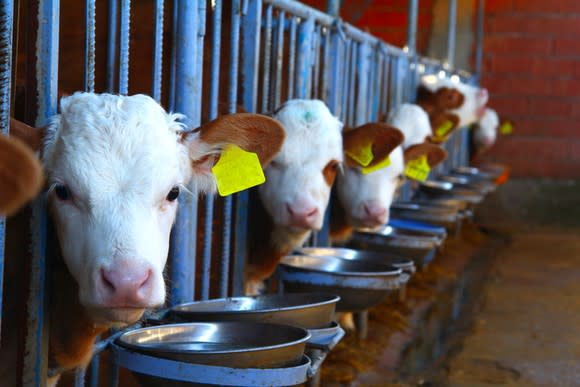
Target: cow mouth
column 115, row 316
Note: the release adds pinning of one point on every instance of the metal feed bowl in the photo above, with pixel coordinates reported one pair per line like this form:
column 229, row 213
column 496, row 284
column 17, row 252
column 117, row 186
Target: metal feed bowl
column 359, row 284
column 231, row 344
column 421, row 250
column 430, row 213
column 305, row 310
column 446, row 190
column 405, row 264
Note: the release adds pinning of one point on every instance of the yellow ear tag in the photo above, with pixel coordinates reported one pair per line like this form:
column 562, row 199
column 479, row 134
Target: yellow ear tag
column 383, row 164
column 443, row 130
column 363, row 155
column 237, row 170
column 506, row 128
column 418, row 169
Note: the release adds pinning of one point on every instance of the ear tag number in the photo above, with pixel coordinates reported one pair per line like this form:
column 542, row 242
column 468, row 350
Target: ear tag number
column 443, row 130
column 237, row 170
column 383, row 164
column 506, row 128
column 418, row 169
column 363, row 155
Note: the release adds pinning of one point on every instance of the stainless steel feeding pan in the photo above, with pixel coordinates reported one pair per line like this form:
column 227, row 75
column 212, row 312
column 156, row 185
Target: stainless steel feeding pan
column 444, row 189
column 467, row 182
column 305, row 310
column 414, row 227
column 443, row 216
column 421, row 250
column 405, row 264
column 236, row 344
column 359, row 284
column 475, row 173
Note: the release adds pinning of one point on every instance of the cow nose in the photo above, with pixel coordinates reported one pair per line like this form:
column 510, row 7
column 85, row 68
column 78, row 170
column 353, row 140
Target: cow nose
column 483, row 96
column 303, row 216
column 375, row 212
column 126, row 284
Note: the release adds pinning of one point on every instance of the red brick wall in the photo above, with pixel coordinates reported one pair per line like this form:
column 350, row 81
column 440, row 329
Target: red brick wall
column 532, row 70
column 386, row 19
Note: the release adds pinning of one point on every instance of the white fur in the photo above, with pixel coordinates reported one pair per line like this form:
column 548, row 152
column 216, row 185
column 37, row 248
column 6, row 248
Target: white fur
column 485, row 133
column 413, row 121
column 473, row 105
column 119, row 156
column 294, row 178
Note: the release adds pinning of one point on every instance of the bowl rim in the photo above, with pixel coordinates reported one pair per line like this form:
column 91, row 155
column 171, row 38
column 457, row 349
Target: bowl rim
column 394, row 271
column 330, row 299
column 151, row 349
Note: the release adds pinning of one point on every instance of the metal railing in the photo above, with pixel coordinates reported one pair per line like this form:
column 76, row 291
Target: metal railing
column 276, row 50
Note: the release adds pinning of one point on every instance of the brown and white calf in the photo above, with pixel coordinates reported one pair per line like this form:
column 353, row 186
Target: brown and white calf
column 357, row 192
column 485, row 132
column 115, row 167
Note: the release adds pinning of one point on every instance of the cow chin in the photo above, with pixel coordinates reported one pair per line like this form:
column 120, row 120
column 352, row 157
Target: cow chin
column 115, row 317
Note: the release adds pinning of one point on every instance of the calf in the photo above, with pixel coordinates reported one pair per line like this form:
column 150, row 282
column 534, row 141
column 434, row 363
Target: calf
column 364, row 199
column 485, row 133
column 465, row 101
column 116, row 166
column 295, row 195
column 20, row 174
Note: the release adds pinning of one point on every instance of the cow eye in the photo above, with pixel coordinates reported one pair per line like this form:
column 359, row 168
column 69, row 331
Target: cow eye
column 173, row 194
column 62, row 192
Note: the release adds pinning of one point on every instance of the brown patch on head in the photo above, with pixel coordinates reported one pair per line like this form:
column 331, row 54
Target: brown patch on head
column 251, row 132
column 20, row 175
column 329, row 171
column 442, row 121
column 33, row 137
column 435, row 154
column 444, row 98
column 384, row 140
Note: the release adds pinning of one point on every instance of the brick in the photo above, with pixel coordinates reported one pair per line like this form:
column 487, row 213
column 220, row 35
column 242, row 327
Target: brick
column 546, row 6
column 512, row 105
column 542, row 126
column 513, row 45
column 522, row 87
column 497, row 6
column 544, row 66
column 565, row 87
column 554, row 25
column 550, row 107
column 566, row 47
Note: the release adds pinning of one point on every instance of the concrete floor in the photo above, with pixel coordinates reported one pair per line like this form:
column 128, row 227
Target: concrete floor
column 527, row 332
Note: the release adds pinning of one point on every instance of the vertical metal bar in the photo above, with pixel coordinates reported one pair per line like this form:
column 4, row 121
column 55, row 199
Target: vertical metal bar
column 412, row 26
column 6, row 31
column 89, row 76
column 333, row 66
column 385, row 85
column 94, row 373
column 451, row 32
column 333, row 7
column 187, row 91
column 326, row 68
column 158, row 51
column 173, row 59
column 124, row 46
column 363, row 68
column 80, row 377
column 348, row 47
column 351, row 89
column 250, row 64
column 36, row 347
column 277, row 68
column 479, row 39
column 232, row 104
column 375, row 86
column 302, row 87
column 292, row 57
column 111, row 44
column 316, row 63
column 213, row 112
column 267, row 60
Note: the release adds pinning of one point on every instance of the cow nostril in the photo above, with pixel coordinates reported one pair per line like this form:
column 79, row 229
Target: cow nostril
column 146, row 278
column 312, row 212
column 289, row 209
column 109, row 284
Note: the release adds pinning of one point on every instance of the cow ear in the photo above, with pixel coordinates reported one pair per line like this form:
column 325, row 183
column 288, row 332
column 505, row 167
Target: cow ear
column 33, row 137
column 20, row 175
column 442, row 125
column 435, row 154
column 378, row 138
column 251, row 132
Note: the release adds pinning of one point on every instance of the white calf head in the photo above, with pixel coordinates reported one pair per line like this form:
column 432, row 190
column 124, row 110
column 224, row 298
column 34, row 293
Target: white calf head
column 485, row 133
column 413, row 122
column 366, row 198
column 299, row 179
column 115, row 167
column 474, row 98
